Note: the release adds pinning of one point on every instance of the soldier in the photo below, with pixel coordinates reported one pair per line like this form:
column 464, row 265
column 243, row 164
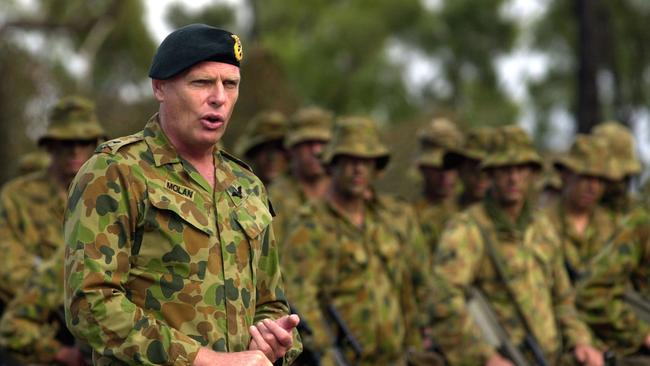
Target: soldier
column 343, row 253
column 31, row 206
column 504, row 249
column 438, row 200
column 622, row 266
column 308, row 131
column 622, row 147
column 261, row 145
column 467, row 160
column 582, row 225
column 170, row 255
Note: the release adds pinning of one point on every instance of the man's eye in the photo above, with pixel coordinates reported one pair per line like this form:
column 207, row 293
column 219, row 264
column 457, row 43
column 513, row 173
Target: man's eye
column 201, row 82
column 230, row 84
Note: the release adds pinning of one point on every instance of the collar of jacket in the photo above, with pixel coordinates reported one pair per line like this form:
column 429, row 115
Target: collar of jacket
column 504, row 226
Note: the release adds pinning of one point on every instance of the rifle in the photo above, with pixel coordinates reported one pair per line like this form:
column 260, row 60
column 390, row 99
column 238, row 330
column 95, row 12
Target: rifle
column 344, row 339
column 487, row 321
column 639, row 304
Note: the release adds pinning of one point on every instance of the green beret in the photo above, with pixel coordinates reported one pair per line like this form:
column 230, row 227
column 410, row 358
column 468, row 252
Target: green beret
column 194, row 43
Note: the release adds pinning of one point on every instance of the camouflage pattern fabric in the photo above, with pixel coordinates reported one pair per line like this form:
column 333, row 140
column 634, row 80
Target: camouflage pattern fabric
column 537, row 278
column 264, row 127
column 621, row 146
column 309, row 124
column 287, row 197
column 513, row 146
column 158, row 263
column 432, row 219
column 623, row 264
column 362, row 271
column 590, row 155
column 31, row 217
column 436, row 138
column 73, row 118
column 33, row 162
column 580, row 249
column 29, row 327
column 357, row 136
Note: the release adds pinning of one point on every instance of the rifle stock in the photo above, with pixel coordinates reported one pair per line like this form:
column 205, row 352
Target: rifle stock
column 344, row 338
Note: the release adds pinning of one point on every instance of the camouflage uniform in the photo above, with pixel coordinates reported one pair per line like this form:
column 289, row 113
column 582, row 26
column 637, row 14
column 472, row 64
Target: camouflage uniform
column 436, row 139
column 266, row 126
column 624, row 264
column 361, row 271
column 33, row 162
column 31, row 206
column 286, row 193
column 622, row 149
column 534, row 267
column 31, row 328
column 159, row 263
column 589, row 156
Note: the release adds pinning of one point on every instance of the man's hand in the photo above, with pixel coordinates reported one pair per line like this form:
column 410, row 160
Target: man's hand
column 70, row 356
column 208, row 357
column 588, row 355
column 498, row 360
column 273, row 337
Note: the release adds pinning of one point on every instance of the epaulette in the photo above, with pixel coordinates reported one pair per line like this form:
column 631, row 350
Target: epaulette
column 112, row 146
column 235, row 159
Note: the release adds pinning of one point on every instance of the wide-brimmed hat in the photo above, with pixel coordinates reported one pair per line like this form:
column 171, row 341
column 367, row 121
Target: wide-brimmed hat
column 357, row 137
column 266, row 126
column 309, row 124
column 590, row 155
column 437, row 138
column 621, row 146
column 73, row 118
column 514, row 147
column 477, row 145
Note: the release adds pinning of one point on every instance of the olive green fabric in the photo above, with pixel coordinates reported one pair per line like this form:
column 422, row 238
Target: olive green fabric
column 33, row 161
column 621, row 145
column 478, row 143
column 309, row 124
column 513, row 147
column 358, row 137
column 436, row 138
column 73, row 118
column 590, row 155
column 264, row 127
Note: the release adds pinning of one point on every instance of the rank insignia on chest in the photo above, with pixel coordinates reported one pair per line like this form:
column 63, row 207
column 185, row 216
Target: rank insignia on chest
column 183, row 191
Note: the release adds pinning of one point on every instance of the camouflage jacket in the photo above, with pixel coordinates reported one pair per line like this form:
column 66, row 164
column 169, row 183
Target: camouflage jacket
column 29, row 327
column 159, row 263
column 287, row 197
column 579, row 249
column 432, row 219
column 361, row 271
column 537, row 277
column 31, row 219
column 623, row 264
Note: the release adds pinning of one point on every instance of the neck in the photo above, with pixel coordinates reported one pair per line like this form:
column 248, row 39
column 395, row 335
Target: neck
column 61, row 179
column 315, row 188
column 353, row 207
column 513, row 210
column 578, row 217
column 433, row 197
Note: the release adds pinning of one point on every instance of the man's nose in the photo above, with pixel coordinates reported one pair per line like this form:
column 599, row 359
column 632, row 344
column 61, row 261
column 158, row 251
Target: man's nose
column 218, row 95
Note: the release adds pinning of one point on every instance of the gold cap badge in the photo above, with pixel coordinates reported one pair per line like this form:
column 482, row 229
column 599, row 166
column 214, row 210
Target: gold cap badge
column 239, row 51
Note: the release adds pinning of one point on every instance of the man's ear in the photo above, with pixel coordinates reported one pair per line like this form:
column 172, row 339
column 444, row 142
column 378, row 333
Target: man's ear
column 158, row 89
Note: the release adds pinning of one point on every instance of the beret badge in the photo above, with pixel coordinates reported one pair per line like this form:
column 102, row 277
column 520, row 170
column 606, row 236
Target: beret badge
column 238, row 49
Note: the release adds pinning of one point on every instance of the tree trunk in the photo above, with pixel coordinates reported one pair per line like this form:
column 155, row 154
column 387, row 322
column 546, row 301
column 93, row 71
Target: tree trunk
column 588, row 109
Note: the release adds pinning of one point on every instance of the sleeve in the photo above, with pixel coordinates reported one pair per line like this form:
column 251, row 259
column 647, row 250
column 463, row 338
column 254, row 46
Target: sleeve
column 272, row 302
column 305, row 263
column 455, row 265
column 29, row 326
column 99, row 231
column 601, row 293
column 16, row 263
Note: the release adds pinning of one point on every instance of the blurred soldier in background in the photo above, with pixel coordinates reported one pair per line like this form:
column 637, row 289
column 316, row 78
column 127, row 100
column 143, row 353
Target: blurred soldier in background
column 583, row 226
column 467, row 160
column 438, row 200
column 262, row 145
column 617, row 195
column 603, row 295
column 505, row 250
column 342, row 252
column 308, row 131
column 33, row 162
column 32, row 206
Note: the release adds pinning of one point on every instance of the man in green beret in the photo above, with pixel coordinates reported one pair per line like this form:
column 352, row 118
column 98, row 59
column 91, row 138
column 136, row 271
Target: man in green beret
column 32, row 207
column 309, row 129
column 582, row 225
column 504, row 248
column 171, row 258
column 262, row 145
column 344, row 251
column 439, row 183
